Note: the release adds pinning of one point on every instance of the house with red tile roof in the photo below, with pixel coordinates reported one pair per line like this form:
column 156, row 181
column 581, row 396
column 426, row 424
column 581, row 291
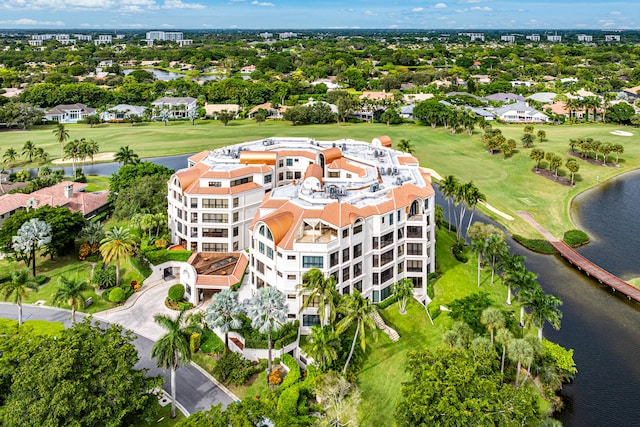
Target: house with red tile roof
column 64, row 194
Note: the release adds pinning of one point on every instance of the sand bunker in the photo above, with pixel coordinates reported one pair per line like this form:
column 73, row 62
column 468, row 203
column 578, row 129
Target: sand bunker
column 100, row 157
column 621, row 133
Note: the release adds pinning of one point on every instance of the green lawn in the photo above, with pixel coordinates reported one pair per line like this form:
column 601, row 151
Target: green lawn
column 384, row 369
column 508, row 184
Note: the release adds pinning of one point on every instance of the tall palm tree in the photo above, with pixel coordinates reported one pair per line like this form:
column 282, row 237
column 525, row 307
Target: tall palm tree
column 493, row 319
column 520, row 351
column 403, row 290
column 16, row 289
column 323, row 345
column 544, row 307
column 61, row 135
column 10, row 156
column 72, row 151
column 29, row 150
column 479, row 246
column 70, row 291
column 448, row 189
column 268, row 312
column 93, row 232
column 41, row 155
column 472, row 197
column 172, row 350
column 316, row 287
column 504, row 337
column 510, row 264
column 126, row 156
column 356, row 308
column 116, row 246
column 224, row 313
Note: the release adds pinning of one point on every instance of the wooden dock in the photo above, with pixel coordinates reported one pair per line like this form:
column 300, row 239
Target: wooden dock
column 598, row 273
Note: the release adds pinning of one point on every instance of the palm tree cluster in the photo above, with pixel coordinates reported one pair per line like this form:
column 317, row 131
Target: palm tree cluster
column 554, row 162
column 29, row 151
column 590, row 148
column 466, row 196
column 324, row 342
column 80, row 149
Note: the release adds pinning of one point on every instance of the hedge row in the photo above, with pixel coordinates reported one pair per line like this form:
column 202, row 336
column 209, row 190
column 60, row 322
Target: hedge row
column 575, row 238
column 294, row 370
column 536, row 245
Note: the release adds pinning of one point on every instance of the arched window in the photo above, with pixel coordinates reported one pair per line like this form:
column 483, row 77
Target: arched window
column 261, row 230
column 415, row 208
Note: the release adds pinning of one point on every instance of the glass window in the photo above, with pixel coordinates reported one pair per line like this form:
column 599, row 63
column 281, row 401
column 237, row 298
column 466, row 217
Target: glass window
column 346, row 274
column 334, row 259
column 345, row 255
column 312, row 262
column 215, row 217
column 357, row 250
column 215, row 203
column 267, row 179
column 414, row 265
column 414, row 248
column 289, row 162
column 357, row 269
column 345, row 233
column 310, row 319
column 384, row 294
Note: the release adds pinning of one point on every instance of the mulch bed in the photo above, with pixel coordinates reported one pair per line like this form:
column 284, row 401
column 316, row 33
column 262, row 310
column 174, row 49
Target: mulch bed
column 552, row 177
column 592, row 161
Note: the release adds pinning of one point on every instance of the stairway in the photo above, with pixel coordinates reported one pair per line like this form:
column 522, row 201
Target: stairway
column 377, row 319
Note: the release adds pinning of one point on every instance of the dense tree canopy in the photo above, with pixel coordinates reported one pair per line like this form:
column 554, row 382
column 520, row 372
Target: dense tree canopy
column 452, row 387
column 65, row 226
column 83, row 377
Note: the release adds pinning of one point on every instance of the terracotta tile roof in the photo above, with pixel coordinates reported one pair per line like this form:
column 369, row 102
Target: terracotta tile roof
column 297, row 153
column 198, row 156
column 331, row 154
column 313, row 170
column 218, row 280
column 344, row 164
column 85, row 203
column 407, row 160
column 196, row 189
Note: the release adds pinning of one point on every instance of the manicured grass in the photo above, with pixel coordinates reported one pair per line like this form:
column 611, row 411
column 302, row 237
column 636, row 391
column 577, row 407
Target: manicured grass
column 508, row 184
column 162, row 418
column 97, row 183
column 383, row 372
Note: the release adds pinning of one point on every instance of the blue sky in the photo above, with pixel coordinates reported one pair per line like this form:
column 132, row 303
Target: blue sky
column 271, row 14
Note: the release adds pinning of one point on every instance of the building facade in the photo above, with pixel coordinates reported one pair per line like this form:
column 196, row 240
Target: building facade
column 361, row 213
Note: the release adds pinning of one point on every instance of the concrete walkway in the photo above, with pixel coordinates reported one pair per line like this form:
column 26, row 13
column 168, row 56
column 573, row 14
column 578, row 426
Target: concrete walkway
column 529, row 218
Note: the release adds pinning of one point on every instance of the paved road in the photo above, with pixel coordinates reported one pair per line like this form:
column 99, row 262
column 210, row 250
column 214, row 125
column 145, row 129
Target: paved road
column 195, row 391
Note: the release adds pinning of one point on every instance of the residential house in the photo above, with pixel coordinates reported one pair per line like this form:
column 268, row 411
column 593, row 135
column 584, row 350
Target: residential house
column 212, row 110
column 416, row 97
column 122, row 112
column 248, row 69
column 544, row 97
column 406, row 112
column 64, row 194
column 69, row 113
column 330, row 83
column 520, row 112
column 174, row 108
column 505, row 97
column 272, row 112
column 376, row 96
column 334, row 108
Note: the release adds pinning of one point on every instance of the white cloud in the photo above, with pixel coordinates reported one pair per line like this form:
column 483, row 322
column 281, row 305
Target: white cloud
column 31, row 22
column 370, row 13
column 615, row 12
column 393, row 26
column 440, row 6
column 417, row 9
column 178, row 4
column 262, row 3
column 485, row 8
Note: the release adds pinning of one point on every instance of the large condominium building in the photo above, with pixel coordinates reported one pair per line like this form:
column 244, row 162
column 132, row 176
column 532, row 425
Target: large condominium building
column 362, row 213
column 164, row 35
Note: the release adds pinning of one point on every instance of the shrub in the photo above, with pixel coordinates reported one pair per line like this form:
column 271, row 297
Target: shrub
column 536, row 245
column 575, row 238
column 158, row 256
column 233, row 369
column 194, row 342
column 458, row 252
column 387, row 302
column 84, row 251
column 469, row 309
column 104, row 278
column 211, row 343
column 254, row 339
column 275, row 377
column 288, row 401
column 117, row 295
column 8, row 327
column 176, row 292
column 294, row 370
column 41, row 280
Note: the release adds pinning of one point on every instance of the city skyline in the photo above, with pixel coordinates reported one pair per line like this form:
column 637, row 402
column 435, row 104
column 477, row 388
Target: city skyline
column 291, row 14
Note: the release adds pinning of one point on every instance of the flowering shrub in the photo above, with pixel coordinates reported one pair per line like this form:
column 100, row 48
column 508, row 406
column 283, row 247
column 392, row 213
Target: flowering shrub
column 275, row 377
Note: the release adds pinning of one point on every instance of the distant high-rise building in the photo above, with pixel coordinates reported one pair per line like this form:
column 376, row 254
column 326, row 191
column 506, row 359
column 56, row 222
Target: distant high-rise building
column 510, row 38
column 554, row 38
column 612, row 37
column 585, row 38
column 533, row 37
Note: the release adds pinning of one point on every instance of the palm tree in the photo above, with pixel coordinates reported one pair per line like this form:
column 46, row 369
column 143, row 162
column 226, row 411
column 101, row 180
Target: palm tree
column 542, row 135
column 510, row 264
column 527, row 140
column 29, row 149
column 479, row 246
column 41, row 155
column 323, row 345
column 316, row 287
column 126, row 156
column 70, row 292
column 268, row 312
column 544, row 307
column 473, row 196
column 72, row 151
column 116, row 246
column 537, row 154
column 403, row 290
column 504, row 337
column 172, row 350
column 573, row 166
column 520, row 351
column 61, row 135
column 356, row 308
column 224, row 313
column 10, row 156
column 93, row 232
column 448, row 190
column 32, row 235
column 459, row 336
column 493, row 319
column 405, row 146
column 16, row 289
